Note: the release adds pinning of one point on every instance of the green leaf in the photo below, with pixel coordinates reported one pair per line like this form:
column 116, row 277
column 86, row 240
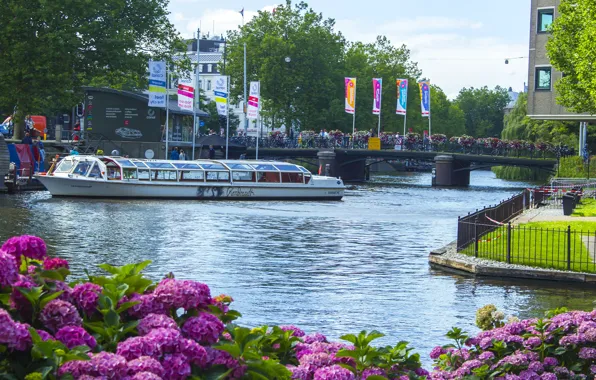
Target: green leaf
column 140, row 266
column 5, row 299
column 231, row 349
column 52, row 275
column 376, row 377
column 110, row 269
column 126, row 305
column 32, row 295
column 350, row 338
column 49, row 297
column 112, row 318
column 343, row 353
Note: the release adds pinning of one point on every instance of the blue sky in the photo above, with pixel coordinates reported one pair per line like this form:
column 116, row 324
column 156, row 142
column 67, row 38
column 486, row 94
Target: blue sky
column 457, row 43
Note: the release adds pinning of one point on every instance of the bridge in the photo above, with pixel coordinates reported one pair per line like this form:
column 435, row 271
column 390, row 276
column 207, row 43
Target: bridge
column 450, row 169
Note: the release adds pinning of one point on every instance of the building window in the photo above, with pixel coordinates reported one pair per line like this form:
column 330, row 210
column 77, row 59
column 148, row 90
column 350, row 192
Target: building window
column 545, row 19
column 208, row 85
column 201, row 84
column 200, row 68
column 209, row 68
column 543, row 78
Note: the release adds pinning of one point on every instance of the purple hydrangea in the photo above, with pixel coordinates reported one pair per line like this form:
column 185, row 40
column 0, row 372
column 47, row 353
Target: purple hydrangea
column 145, row 364
column 334, row 372
column 10, row 270
column 536, row 367
column 486, row 355
column 195, row 353
column 54, row 263
column 437, row 352
column 218, row 357
column 110, row 365
column 167, row 340
column 205, row 329
column 86, row 297
column 58, row 313
column 73, row 336
column 587, row 353
column 21, row 338
column 137, row 347
column 533, row 342
column 147, row 304
column 548, row 376
column 153, row 321
column 300, row 373
column 295, row 330
column 185, row 294
column 145, row 376
column 76, row 368
column 17, row 299
column 316, row 337
column 372, row 372
column 44, row 335
column 550, row 361
column 25, row 245
column 176, row 367
column 66, row 290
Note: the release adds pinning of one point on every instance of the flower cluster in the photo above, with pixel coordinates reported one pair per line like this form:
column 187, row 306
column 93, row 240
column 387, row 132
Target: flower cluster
column 57, row 314
column 176, row 294
column 205, row 329
column 54, row 263
column 73, row 336
column 29, row 246
column 10, row 271
column 85, row 297
column 154, row 321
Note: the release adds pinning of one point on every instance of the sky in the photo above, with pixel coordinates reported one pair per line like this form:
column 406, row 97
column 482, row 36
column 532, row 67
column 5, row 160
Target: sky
column 457, row 43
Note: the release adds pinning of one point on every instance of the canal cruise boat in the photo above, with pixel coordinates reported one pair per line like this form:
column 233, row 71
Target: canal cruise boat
column 119, row 177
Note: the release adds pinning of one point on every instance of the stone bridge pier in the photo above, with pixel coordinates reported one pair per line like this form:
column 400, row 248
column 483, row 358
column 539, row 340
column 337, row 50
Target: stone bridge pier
column 338, row 164
column 448, row 171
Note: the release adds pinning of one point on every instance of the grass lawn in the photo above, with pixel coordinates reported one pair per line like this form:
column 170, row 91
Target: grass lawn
column 586, row 208
column 541, row 244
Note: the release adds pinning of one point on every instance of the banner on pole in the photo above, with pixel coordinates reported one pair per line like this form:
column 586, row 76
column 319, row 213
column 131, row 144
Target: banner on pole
column 157, row 84
column 425, row 97
column 377, row 94
column 253, row 101
column 351, row 95
column 186, row 93
column 221, row 95
column 402, row 97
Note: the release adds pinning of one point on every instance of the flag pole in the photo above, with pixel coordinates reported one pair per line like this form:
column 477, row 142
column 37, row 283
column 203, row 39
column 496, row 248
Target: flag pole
column 245, row 99
column 257, row 151
column 354, row 116
column 405, row 118
column 197, row 100
column 228, row 116
column 167, row 111
column 380, row 108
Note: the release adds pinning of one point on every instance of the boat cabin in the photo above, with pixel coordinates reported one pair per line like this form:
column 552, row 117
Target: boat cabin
column 226, row 171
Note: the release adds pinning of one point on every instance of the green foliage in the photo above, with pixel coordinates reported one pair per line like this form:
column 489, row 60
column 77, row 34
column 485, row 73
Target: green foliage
column 571, row 51
column 488, row 318
column 129, row 275
column 483, row 109
column 551, row 313
column 575, row 167
column 521, row 174
column 51, row 48
column 587, row 207
column 49, row 355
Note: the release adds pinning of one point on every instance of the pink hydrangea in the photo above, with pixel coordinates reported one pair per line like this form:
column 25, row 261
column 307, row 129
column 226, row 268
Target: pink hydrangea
column 110, row 365
column 218, row 357
column 372, row 372
column 66, row 290
column 145, row 376
column 316, row 337
column 86, row 297
column 138, row 346
column 334, row 372
column 73, row 336
column 21, row 338
column 58, row 313
column 300, row 373
column 195, row 353
column 185, row 294
column 25, row 245
column 10, row 269
column 176, row 367
column 44, row 335
column 145, row 364
column 168, row 340
column 205, row 329
column 295, row 330
column 437, row 352
column 147, row 304
column 17, row 299
column 153, row 321
column 76, row 368
column 54, row 263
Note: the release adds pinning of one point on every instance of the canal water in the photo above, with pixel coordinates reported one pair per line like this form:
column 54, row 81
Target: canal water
column 333, row 267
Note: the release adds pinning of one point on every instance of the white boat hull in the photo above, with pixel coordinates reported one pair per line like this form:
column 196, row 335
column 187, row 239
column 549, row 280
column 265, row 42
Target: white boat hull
column 87, row 187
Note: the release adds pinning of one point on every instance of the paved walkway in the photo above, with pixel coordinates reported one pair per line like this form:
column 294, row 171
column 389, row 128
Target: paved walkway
column 549, row 215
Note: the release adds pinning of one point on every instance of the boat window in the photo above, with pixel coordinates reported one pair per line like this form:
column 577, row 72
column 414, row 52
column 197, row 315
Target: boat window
column 292, row 177
column 159, row 165
column 240, row 166
column 288, row 168
column 218, row 176
column 181, row 165
column 95, row 172
column 65, row 166
column 130, row 173
column 303, row 169
column 82, row 167
column 264, row 167
column 143, row 174
column 192, row 175
column 139, row 164
column 268, row 177
column 125, row 163
column 243, row 176
column 213, row 166
column 164, row 175
column 114, row 172
column 307, row 178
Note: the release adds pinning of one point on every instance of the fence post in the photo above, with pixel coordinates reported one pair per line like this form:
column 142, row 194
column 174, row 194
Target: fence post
column 509, row 243
column 568, row 247
column 476, row 237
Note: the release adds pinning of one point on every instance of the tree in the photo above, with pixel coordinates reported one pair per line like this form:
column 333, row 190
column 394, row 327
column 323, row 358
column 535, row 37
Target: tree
column 51, row 48
column 483, row 109
column 298, row 90
column 571, row 50
column 447, row 117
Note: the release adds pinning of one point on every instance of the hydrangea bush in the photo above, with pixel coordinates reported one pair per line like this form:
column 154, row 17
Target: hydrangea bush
column 123, row 326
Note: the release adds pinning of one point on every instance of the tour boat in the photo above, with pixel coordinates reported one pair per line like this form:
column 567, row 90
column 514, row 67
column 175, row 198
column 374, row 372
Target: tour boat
column 120, row 177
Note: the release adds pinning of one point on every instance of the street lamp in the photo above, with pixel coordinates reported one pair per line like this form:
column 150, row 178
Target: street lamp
column 288, row 59
column 508, row 59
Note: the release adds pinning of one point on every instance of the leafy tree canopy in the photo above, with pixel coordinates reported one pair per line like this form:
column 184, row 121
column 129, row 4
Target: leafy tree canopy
column 484, row 110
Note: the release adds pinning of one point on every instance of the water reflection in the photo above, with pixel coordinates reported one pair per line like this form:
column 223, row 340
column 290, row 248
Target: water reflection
column 333, row 267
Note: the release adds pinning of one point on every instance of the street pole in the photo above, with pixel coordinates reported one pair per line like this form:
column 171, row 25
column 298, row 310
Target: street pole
column 197, row 101
column 354, row 118
column 380, row 109
column 245, row 99
column 405, row 117
column 228, row 117
column 167, row 129
column 257, row 150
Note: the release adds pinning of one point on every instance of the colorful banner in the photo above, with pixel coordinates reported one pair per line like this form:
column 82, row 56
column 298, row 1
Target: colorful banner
column 377, row 93
column 253, row 101
column 221, row 95
column 351, row 95
column 402, row 97
column 157, row 84
column 186, row 93
column 425, row 98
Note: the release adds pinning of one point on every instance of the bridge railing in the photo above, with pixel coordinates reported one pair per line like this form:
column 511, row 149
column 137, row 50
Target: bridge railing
column 317, row 142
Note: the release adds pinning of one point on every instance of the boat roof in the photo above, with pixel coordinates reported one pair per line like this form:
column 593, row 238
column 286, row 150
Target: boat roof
column 224, row 165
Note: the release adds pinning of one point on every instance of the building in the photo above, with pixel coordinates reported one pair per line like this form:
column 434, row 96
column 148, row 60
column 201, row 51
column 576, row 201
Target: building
column 542, row 104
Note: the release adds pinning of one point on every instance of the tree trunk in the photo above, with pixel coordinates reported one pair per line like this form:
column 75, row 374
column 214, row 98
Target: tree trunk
column 19, row 126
